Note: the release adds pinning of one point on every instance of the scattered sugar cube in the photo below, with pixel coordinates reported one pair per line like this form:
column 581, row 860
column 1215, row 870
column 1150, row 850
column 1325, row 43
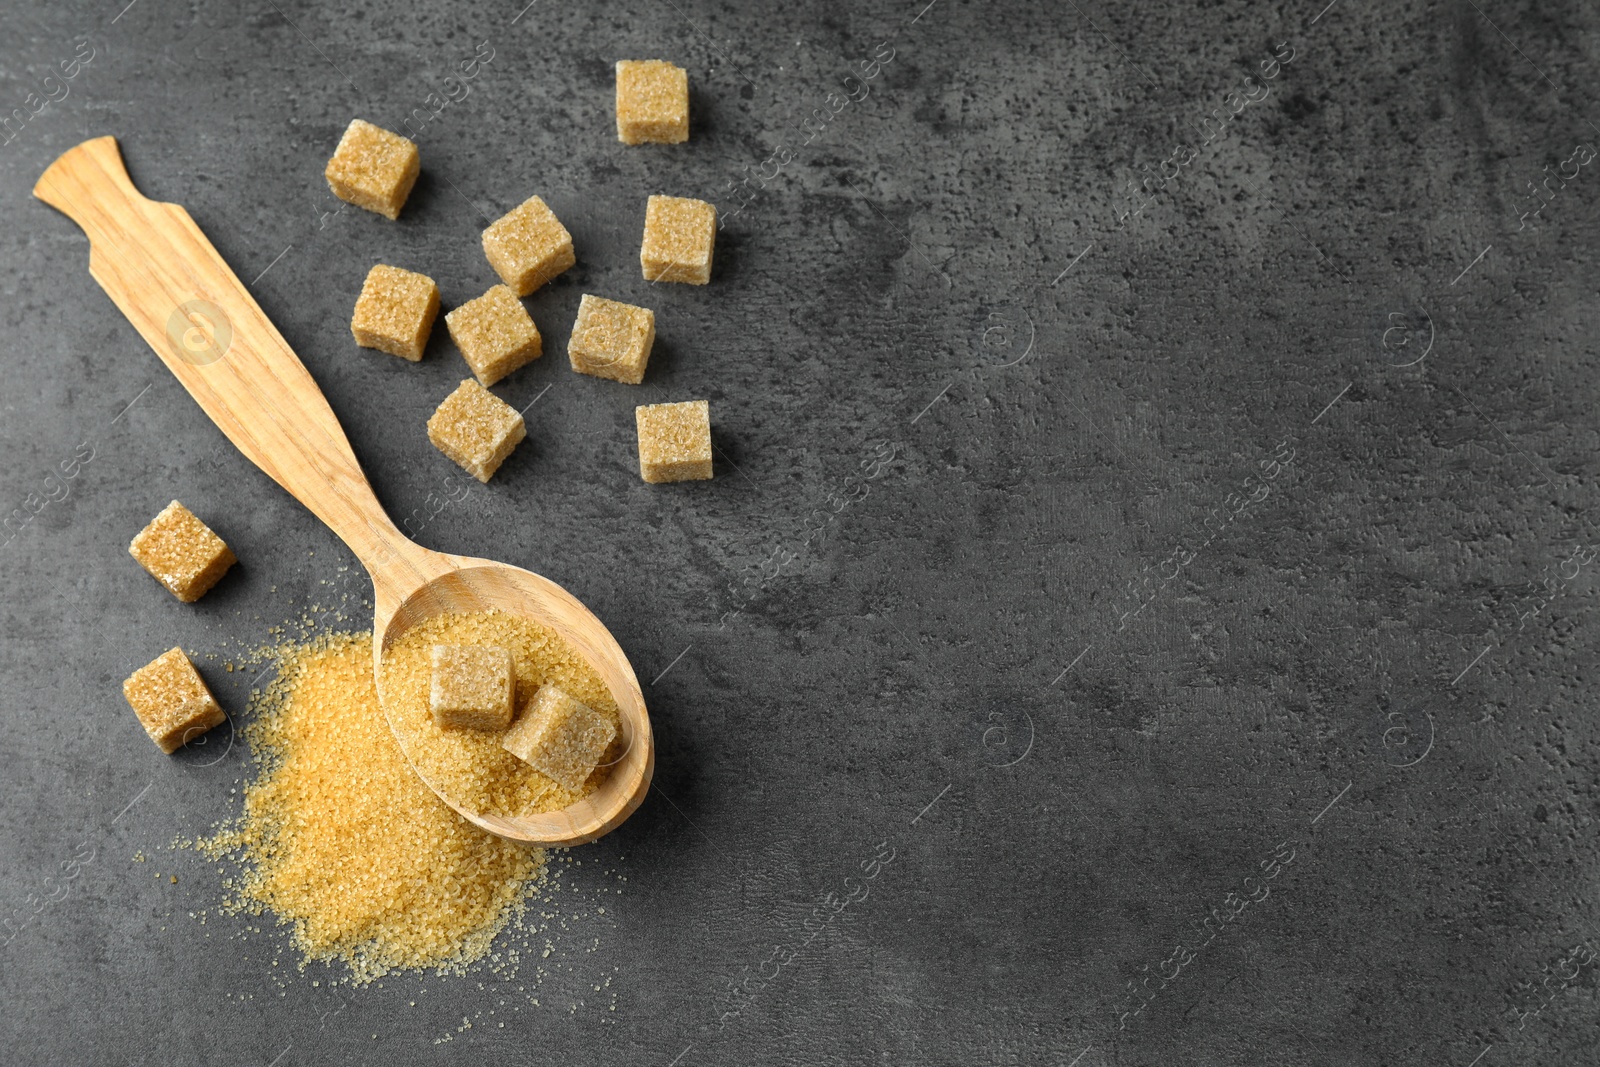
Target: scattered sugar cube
column 182, row 553
column 678, row 237
column 652, row 102
column 495, row 333
column 395, row 312
column 171, row 700
column 674, row 441
column 476, row 429
column 373, row 168
column 527, row 246
column 611, row 339
column 560, row 737
column 472, row 686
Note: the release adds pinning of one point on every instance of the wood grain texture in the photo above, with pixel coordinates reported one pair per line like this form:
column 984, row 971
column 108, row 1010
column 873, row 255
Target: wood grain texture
column 165, row 276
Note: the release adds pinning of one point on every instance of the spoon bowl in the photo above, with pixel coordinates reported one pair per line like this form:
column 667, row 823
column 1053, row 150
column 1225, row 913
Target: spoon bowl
column 469, row 585
column 165, row 276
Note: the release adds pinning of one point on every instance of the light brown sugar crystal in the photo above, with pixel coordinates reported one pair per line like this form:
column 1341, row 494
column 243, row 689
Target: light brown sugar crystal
column 182, row 553
column 395, row 312
column 674, row 441
column 679, row 235
column 495, row 334
column 472, row 688
column 528, row 246
column 476, row 429
column 373, row 168
column 611, row 339
column 342, row 840
column 561, row 737
column 468, row 766
column 652, row 102
column 172, row 700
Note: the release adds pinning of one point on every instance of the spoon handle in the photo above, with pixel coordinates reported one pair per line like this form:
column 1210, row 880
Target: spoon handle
column 156, row 265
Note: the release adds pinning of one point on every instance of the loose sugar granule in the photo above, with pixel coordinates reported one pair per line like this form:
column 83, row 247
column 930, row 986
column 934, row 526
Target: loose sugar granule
column 470, row 767
column 342, row 840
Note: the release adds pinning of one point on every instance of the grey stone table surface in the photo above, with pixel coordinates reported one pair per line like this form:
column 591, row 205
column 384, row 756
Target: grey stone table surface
column 1153, row 503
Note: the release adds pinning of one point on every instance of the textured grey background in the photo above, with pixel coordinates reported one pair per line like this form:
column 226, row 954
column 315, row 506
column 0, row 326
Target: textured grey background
column 1341, row 313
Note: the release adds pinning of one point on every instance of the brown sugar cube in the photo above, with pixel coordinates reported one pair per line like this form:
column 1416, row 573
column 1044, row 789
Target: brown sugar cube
column 560, row 737
column 373, row 168
column 652, row 102
column 674, row 441
column 678, row 237
column 495, row 333
column 472, row 687
column 182, row 553
column 171, row 700
column 611, row 339
column 527, row 246
column 395, row 312
column 476, row 429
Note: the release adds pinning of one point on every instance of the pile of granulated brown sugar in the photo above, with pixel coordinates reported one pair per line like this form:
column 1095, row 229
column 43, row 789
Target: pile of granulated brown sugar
column 470, row 766
column 341, row 839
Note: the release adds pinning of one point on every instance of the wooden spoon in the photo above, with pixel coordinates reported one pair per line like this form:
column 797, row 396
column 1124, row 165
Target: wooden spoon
column 172, row 285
